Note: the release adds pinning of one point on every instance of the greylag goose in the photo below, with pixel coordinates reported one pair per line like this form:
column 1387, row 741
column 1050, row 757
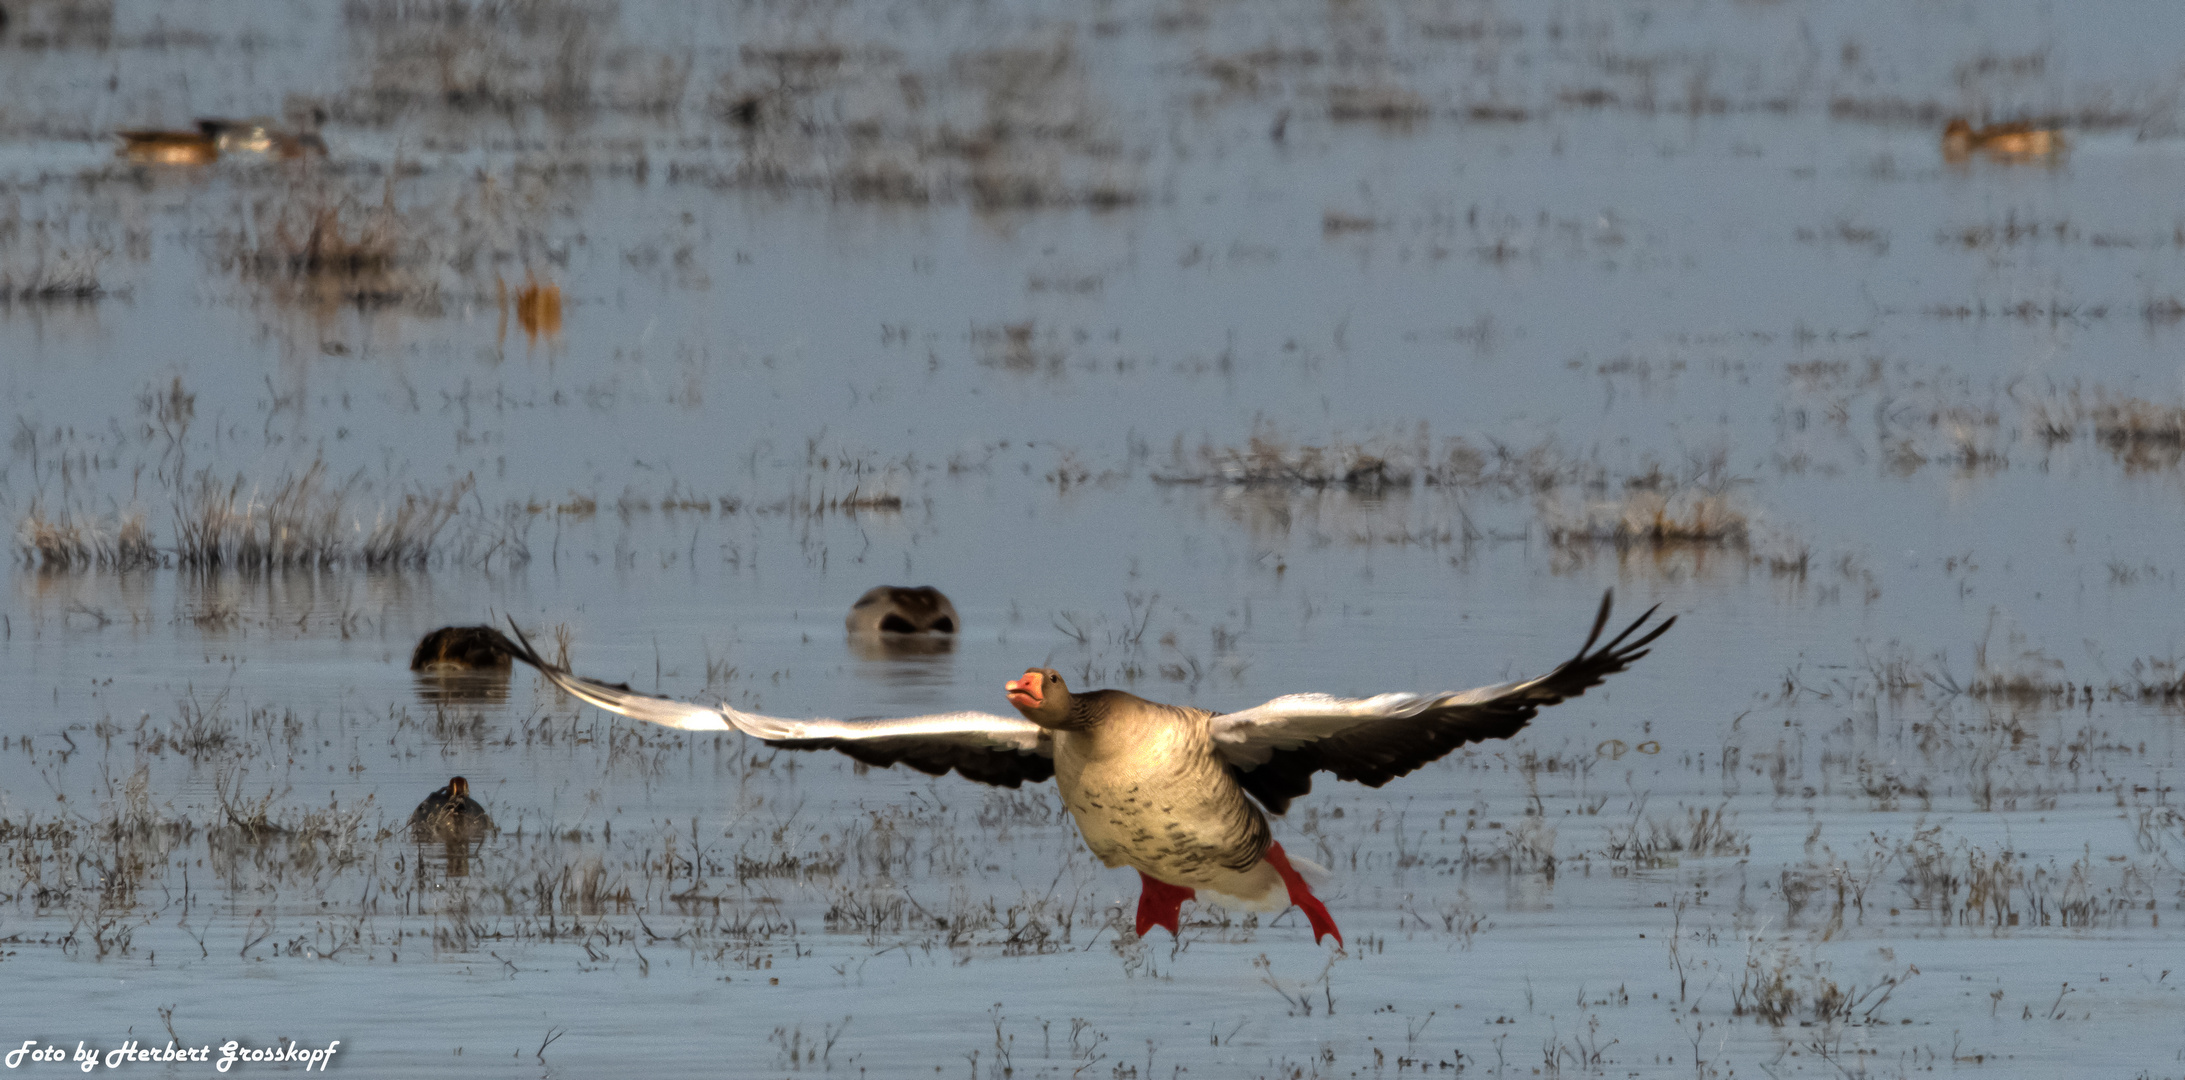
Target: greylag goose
column 450, row 814
column 1169, row 790
column 453, row 649
column 893, row 609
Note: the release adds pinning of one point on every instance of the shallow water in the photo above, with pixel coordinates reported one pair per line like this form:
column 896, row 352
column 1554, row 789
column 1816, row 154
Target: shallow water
column 1034, row 305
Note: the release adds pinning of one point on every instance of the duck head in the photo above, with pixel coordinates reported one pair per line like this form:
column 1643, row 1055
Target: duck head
column 458, row 789
column 1957, row 140
column 1041, row 696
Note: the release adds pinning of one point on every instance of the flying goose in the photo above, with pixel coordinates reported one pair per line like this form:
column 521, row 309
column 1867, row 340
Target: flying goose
column 1168, row 790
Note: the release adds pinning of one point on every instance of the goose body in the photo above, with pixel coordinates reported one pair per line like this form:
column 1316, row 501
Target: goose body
column 1149, row 791
column 1177, row 793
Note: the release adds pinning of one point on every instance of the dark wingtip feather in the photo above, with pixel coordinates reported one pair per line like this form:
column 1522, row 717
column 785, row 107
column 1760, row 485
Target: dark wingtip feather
column 1600, row 619
column 524, row 651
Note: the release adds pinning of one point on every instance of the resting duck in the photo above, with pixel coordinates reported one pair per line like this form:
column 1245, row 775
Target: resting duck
column 893, row 609
column 1179, row 794
column 214, row 137
column 259, row 136
column 452, row 650
column 2005, row 142
column 150, row 147
column 450, row 814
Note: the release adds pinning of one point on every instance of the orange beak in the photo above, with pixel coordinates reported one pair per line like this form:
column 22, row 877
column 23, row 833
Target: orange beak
column 1025, row 693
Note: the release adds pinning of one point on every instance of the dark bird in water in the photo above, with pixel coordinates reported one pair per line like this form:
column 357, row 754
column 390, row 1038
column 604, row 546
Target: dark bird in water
column 450, row 814
column 454, row 649
column 893, row 609
column 1179, row 794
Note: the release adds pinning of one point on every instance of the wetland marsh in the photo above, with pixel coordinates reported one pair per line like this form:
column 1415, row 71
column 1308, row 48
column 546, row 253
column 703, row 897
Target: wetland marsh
column 1209, row 351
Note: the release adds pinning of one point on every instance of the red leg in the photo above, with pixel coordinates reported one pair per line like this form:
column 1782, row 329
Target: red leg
column 1160, row 903
column 1302, row 896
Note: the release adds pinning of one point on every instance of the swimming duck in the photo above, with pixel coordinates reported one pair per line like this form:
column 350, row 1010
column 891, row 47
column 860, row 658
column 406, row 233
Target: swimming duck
column 2017, row 141
column 450, row 814
column 893, row 609
column 1177, row 793
column 152, row 147
column 453, row 649
column 214, row 137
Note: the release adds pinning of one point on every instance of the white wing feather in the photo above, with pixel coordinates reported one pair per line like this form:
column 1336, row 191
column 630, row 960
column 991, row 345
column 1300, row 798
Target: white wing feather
column 1251, row 736
column 1014, row 733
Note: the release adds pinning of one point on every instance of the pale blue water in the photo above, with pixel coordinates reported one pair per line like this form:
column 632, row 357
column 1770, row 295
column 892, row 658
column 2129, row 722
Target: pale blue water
column 1724, row 256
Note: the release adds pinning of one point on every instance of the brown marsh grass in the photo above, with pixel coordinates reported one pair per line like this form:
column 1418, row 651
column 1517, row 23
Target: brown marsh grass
column 69, row 275
column 302, row 522
column 2141, row 434
column 1651, row 519
column 326, row 247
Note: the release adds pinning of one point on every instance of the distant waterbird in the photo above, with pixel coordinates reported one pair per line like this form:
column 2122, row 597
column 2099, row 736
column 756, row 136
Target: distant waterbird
column 212, row 137
column 450, row 814
column 152, row 147
column 2017, row 141
column 1179, row 794
column 895, row 609
column 455, row 649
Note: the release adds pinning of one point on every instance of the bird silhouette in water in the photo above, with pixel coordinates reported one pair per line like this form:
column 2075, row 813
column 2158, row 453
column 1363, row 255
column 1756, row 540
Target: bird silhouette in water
column 453, row 650
column 450, row 814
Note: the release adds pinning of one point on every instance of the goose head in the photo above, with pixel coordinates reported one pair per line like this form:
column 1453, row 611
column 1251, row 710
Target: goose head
column 1041, row 696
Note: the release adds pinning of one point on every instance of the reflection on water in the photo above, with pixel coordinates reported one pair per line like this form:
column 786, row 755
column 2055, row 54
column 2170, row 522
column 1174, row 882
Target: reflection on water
column 884, row 647
column 449, row 857
column 461, row 688
column 917, row 670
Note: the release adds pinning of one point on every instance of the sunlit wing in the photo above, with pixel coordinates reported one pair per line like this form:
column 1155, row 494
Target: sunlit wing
column 1276, row 747
column 1001, row 750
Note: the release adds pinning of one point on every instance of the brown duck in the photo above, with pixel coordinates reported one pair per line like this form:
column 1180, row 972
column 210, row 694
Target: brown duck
column 454, row 649
column 893, row 609
column 213, row 137
column 1177, row 793
column 2018, row 141
column 450, row 814
column 154, row 147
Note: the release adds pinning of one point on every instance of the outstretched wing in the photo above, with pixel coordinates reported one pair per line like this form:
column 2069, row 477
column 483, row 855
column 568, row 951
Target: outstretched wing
column 990, row 749
column 1275, row 748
